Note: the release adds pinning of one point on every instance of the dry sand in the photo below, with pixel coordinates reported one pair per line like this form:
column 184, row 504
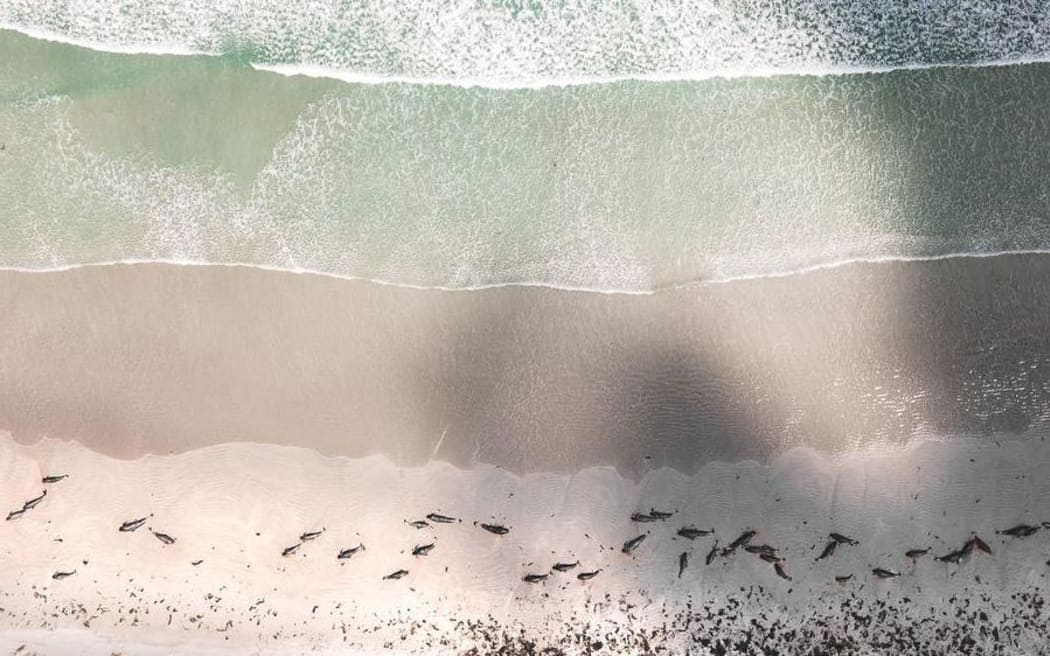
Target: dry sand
column 135, row 359
column 237, row 506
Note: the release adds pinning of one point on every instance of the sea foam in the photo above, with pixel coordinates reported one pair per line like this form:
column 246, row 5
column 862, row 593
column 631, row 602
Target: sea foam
column 626, row 187
column 535, row 43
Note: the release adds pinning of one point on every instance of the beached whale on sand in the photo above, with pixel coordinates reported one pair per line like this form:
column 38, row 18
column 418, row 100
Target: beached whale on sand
column 711, row 554
column 691, row 533
column 953, row 557
column 34, row 502
column 779, row 569
column 163, row 537
column 442, row 519
column 495, row 529
column 744, row 538
column 350, row 551
column 134, row 524
column 1019, row 531
column 842, row 539
column 633, row 543
column 829, row 549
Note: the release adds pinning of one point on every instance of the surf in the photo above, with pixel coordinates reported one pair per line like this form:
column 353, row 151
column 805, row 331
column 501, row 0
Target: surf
column 505, row 45
column 662, row 184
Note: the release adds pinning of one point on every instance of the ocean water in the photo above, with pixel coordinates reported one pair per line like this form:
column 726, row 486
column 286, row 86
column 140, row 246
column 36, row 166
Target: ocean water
column 622, row 186
column 515, row 42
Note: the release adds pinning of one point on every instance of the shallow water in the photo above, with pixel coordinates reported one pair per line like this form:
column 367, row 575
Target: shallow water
column 628, row 186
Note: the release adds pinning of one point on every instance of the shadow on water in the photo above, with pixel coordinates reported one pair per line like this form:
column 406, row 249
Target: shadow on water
column 970, row 147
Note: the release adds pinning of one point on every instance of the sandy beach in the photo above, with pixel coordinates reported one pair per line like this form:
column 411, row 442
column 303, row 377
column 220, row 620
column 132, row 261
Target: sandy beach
column 234, row 508
column 524, row 328
column 236, row 409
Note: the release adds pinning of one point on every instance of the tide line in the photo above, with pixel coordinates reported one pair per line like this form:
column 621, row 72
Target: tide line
column 801, row 271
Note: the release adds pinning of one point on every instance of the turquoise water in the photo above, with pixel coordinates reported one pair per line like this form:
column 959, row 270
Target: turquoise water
column 627, row 185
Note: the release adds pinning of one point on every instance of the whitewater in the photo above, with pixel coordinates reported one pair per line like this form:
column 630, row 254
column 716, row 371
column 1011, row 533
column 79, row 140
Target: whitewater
column 541, row 42
column 624, row 187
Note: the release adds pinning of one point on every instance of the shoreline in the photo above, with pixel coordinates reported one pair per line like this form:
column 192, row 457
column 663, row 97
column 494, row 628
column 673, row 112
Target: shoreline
column 670, row 287
column 107, row 167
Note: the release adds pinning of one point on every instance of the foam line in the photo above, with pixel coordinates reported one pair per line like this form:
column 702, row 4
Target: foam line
column 542, row 285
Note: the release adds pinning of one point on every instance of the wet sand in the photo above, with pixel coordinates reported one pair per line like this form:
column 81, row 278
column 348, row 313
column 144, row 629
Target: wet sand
column 153, row 358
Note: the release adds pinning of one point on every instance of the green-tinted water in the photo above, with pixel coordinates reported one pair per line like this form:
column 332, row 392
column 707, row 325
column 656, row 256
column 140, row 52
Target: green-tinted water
column 626, row 185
